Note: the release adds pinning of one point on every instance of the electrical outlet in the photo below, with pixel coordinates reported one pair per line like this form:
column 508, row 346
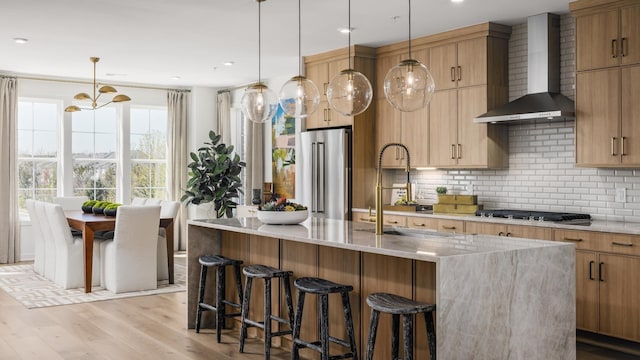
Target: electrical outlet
column 621, row 195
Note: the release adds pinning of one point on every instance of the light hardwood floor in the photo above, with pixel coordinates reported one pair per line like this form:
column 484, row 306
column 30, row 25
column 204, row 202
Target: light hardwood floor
column 145, row 327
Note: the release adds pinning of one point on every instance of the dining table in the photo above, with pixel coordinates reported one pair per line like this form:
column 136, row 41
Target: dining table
column 89, row 223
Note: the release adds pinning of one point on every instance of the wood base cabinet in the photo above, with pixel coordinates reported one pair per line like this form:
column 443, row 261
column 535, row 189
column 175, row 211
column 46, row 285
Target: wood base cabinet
column 607, row 285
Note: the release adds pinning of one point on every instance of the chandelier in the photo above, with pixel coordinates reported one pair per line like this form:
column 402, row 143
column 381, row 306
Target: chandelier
column 105, row 89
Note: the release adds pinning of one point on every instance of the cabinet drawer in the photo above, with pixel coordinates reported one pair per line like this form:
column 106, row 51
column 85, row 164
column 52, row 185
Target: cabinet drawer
column 364, row 217
column 442, row 225
column 394, row 220
column 600, row 241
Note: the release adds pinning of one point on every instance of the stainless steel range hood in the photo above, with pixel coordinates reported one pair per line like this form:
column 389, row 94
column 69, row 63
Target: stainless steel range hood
column 543, row 100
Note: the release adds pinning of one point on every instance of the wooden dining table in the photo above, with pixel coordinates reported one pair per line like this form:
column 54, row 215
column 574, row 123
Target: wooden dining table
column 90, row 223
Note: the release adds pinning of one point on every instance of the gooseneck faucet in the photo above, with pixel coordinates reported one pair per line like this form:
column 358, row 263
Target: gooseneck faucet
column 379, row 186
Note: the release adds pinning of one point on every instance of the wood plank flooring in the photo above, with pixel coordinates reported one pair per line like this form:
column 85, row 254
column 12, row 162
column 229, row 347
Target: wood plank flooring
column 145, row 327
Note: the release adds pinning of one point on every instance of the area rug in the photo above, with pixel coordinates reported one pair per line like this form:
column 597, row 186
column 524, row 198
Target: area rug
column 35, row 291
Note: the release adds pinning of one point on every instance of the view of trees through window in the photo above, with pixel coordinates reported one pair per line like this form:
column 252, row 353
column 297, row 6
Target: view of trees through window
column 148, row 153
column 37, row 150
column 95, row 152
column 93, row 148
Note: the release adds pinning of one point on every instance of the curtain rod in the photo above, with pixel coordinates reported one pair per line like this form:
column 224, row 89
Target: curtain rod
column 91, row 82
column 234, row 88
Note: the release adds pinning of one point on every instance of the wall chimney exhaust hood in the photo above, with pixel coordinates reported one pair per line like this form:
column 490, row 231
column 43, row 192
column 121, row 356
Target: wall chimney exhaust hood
column 543, row 100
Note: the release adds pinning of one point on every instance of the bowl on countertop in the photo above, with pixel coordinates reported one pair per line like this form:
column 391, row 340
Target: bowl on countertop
column 282, row 217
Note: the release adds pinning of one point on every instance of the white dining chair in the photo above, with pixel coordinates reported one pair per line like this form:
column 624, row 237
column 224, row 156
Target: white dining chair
column 168, row 209
column 138, row 201
column 47, row 239
column 38, row 238
column 69, row 254
column 126, row 264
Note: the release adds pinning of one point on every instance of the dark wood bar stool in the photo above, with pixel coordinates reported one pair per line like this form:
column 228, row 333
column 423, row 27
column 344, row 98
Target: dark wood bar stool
column 396, row 306
column 220, row 262
column 323, row 288
column 267, row 273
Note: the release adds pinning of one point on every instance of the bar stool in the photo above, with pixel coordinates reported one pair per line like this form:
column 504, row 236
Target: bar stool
column 220, row 262
column 267, row 273
column 323, row 288
column 396, row 306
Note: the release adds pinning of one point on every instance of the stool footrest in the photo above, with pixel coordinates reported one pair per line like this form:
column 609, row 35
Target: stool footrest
column 279, row 319
column 281, row 333
column 232, row 304
column 207, row 306
column 315, row 345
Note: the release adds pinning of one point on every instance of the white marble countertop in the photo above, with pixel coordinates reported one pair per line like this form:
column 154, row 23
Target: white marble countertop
column 629, row 228
column 413, row 244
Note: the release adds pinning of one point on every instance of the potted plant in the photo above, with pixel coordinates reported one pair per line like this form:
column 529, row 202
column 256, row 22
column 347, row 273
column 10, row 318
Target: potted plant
column 111, row 209
column 87, row 206
column 214, row 176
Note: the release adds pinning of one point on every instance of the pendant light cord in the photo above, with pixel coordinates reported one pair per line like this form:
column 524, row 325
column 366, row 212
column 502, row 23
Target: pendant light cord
column 409, row 29
column 349, row 28
column 299, row 41
column 259, row 38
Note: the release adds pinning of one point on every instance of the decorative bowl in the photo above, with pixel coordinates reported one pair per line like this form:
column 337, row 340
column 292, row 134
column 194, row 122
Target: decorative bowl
column 282, row 217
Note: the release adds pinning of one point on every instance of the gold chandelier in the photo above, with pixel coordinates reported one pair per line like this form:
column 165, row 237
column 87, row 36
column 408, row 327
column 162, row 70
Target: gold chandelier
column 105, row 89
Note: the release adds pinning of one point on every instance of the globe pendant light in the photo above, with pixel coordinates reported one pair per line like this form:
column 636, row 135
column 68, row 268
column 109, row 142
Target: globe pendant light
column 409, row 85
column 349, row 92
column 299, row 97
column 259, row 102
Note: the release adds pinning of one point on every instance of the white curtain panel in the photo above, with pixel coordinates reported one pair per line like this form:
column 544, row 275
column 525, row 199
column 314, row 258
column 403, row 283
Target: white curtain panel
column 178, row 103
column 9, row 217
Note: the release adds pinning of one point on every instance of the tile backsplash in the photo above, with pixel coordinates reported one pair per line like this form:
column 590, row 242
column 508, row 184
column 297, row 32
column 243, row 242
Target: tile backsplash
column 542, row 174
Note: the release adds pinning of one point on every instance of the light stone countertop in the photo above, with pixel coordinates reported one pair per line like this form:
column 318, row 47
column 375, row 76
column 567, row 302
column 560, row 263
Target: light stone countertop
column 412, row 244
column 628, row 228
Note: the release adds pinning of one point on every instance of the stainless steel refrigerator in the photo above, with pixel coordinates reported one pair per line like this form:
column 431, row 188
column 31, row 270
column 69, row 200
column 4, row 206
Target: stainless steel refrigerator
column 323, row 173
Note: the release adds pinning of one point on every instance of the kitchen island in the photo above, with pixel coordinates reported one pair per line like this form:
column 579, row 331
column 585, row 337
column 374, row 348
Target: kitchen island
column 496, row 297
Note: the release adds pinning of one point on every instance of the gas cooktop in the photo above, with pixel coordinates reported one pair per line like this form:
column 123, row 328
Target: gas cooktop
column 558, row 217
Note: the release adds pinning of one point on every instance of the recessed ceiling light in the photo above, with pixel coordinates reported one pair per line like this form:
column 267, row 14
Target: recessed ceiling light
column 228, row 63
column 21, row 40
column 346, row 30
column 457, row 1
column 114, row 74
column 176, row 77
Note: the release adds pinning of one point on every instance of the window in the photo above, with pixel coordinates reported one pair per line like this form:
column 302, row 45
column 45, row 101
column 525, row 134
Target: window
column 37, row 150
column 148, row 134
column 93, row 147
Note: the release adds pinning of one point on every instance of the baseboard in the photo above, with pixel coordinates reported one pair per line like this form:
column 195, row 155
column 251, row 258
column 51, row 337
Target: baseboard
column 608, row 342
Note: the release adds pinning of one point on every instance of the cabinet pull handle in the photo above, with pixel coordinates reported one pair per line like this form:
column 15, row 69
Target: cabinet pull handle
column 621, row 244
column 600, row 271
column 622, row 146
column 329, row 115
column 459, row 73
column 624, row 40
column 572, row 239
column 613, row 146
column 501, row 233
column 591, row 263
column 509, row 234
column 446, row 227
column 392, row 222
column 414, row 224
column 325, row 85
column 613, row 48
column 453, row 151
column 453, row 74
column 459, row 151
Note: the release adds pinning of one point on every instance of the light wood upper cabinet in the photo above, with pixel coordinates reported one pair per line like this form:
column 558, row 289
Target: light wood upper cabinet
column 607, row 37
column 321, row 74
column 442, row 63
column 459, row 64
column 607, row 75
column 395, row 126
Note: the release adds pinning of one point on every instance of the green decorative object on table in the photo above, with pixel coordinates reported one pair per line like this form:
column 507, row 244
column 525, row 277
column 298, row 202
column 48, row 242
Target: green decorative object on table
column 98, row 207
column 282, row 212
column 441, row 190
column 214, row 176
column 87, row 206
column 111, row 209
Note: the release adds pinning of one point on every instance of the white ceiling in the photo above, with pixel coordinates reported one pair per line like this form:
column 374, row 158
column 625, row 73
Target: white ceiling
column 151, row 41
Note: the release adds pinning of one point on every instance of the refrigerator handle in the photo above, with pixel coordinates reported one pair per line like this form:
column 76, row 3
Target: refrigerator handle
column 320, row 179
column 314, row 181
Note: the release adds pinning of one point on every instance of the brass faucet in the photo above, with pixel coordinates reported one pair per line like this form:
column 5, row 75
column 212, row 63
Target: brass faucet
column 379, row 186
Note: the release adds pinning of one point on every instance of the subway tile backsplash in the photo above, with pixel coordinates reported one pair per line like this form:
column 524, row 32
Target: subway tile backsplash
column 542, row 173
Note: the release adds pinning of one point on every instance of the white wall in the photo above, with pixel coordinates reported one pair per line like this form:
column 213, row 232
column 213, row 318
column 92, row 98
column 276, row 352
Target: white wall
column 541, row 173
